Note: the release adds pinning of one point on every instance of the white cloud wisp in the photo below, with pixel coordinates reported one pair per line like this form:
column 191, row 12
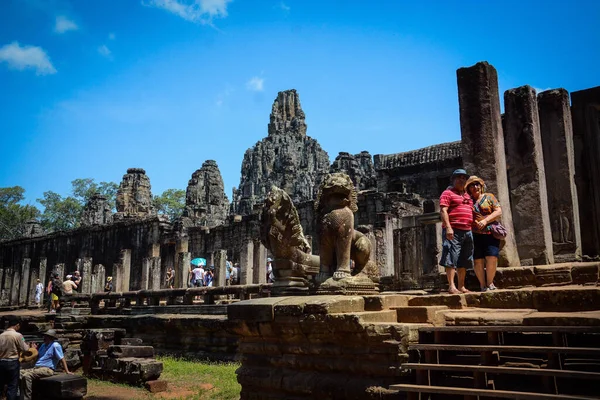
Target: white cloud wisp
column 255, row 84
column 197, row 11
column 26, row 57
column 104, row 51
column 63, row 24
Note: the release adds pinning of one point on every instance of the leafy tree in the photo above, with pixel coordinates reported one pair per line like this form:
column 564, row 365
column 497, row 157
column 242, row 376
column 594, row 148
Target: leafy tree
column 171, row 203
column 13, row 215
column 65, row 213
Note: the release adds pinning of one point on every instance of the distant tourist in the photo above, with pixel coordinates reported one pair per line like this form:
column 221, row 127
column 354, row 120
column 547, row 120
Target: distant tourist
column 486, row 210
column 50, row 354
column 39, row 289
column 170, row 279
column 56, row 292
column 197, row 276
column 108, row 286
column 12, row 344
column 209, row 276
column 68, row 285
column 77, row 280
column 235, row 274
column 457, row 238
column 270, row 275
column 228, row 268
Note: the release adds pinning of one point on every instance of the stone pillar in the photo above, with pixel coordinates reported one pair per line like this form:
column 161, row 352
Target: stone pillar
column 155, row 273
column 559, row 164
column 14, row 288
column 585, row 111
column 220, row 268
column 86, row 275
column 122, row 270
column 384, row 248
column 410, row 252
column 260, row 263
column 483, row 142
column 145, row 281
column 6, row 287
column 246, row 262
column 182, row 273
column 526, row 177
column 24, row 293
column 181, row 247
column 432, row 240
column 42, row 274
column 3, row 274
column 60, row 270
column 98, row 278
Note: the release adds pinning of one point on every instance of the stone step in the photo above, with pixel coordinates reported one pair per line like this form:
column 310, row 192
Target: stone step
column 377, row 316
column 449, row 300
column 385, row 301
column 421, row 314
column 130, row 341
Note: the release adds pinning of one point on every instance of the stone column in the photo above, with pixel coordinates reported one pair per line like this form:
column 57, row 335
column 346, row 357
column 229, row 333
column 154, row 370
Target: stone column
column 432, row 240
column 14, row 287
column 483, row 142
column 586, row 137
column 60, row 270
column 182, row 273
column 122, row 271
column 6, row 287
column 155, row 273
column 220, row 268
column 260, row 263
column 384, row 244
column 559, row 164
column 246, row 262
column 24, row 293
column 42, row 274
column 86, row 275
column 145, row 281
column 526, row 177
column 2, row 285
column 98, row 278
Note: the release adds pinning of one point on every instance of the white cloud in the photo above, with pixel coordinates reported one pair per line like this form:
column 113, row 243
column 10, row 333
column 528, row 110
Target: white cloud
column 104, row 51
column 284, row 7
column 111, row 36
column 25, row 57
column 63, row 24
column 223, row 95
column 255, row 84
column 538, row 90
column 198, row 11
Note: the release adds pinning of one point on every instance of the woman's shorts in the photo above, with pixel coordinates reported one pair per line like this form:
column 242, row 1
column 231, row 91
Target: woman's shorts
column 485, row 246
column 54, row 297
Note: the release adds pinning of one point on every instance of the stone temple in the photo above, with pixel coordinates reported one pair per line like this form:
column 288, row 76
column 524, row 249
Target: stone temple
column 540, row 158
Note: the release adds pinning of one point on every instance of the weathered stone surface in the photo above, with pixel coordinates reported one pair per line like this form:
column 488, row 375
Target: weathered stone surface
column 60, row 386
column 585, row 111
column 134, row 196
column 507, row 299
column 550, row 275
column 585, row 273
column 567, row 299
column 483, row 141
column 559, row 163
column 585, row 318
column 156, row 386
column 32, row 228
column 132, row 370
column 514, row 277
column 97, row 211
column 421, row 314
column 451, row 301
column 121, row 351
column 486, row 316
column 287, row 158
column 527, row 177
column 206, row 203
column 385, row 302
column 358, row 167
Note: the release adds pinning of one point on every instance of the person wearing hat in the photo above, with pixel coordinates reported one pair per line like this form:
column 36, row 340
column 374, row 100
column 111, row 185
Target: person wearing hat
column 12, row 345
column 77, row 280
column 50, row 354
column 457, row 238
column 108, row 286
column 486, row 209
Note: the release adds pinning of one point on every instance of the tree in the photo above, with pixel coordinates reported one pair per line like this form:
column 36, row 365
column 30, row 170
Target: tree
column 65, row 213
column 13, row 215
column 171, row 203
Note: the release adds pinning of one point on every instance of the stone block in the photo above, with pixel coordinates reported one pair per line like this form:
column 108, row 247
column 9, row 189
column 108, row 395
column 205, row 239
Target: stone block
column 585, row 273
column 132, row 341
column 120, row 351
column 156, row 386
column 421, row 314
column 290, row 306
column 514, row 277
column 385, row 302
column 133, row 370
column 60, row 386
column 334, row 304
column 586, row 318
column 507, row 299
column 449, row 300
column 567, row 299
column 552, row 275
column 256, row 310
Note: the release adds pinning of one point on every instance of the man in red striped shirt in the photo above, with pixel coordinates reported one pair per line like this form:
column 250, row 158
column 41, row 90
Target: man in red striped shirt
column 456, row 209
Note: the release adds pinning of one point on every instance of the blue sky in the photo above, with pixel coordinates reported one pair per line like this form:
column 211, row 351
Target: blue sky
column 91, row 88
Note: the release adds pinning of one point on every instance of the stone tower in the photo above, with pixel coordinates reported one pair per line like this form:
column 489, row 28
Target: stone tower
column 359, row 168
column 134, row 197
column 205, row 201
column 287, row 158
column 96, row 211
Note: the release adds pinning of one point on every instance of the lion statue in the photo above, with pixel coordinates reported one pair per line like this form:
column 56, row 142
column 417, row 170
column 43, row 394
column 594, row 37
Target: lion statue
column 339, row 241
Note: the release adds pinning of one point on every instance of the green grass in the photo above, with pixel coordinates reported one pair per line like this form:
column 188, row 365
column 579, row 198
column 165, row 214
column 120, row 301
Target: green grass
column 191, row 374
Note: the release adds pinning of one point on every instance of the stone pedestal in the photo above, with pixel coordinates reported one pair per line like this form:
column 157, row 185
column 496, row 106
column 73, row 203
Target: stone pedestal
column 526, row 177
column 359, row 284
column 483, row 142
column 559, row 162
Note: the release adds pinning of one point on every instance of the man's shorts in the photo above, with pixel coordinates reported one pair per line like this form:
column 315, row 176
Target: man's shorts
column 458, row 252
column 485, row 246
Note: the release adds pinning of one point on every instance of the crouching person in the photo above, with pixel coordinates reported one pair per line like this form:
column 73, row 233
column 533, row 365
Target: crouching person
column 49, row 355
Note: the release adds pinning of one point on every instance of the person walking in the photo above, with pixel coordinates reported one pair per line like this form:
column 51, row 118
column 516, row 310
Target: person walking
column 108, row 286
column 486, row 210
column 457, row 238
column 39, row 289
column 170, row 278
column 12, row 344
column 198, row 276
column 50, row 354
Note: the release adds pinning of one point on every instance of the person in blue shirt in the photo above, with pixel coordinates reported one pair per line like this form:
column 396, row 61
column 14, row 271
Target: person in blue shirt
column 50, row 353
